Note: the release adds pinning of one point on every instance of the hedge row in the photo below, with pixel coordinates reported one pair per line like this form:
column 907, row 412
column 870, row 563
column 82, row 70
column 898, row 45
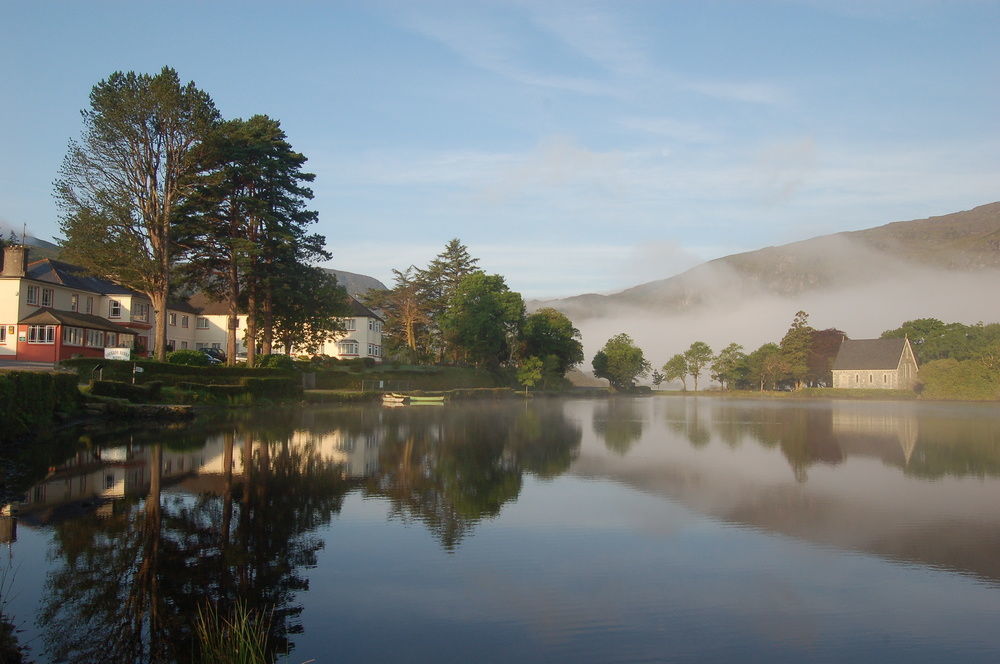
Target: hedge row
column 170, row 374
column 255, row 388
column 140, row 393
column 29, row 401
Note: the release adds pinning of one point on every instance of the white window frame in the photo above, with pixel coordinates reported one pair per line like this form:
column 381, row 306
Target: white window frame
column 202, row 323
column 140, row 312
column 184, row 321
column 41, row 334
column 74, row 302
column 31, row 297
column 90, row 304
column 95, row 339
column 72, row 336
column 3, row 334
column 172, row 319
column 347, row 348
column 48, row 297
column 350, row 324
column 114, row 309
column 110, row 340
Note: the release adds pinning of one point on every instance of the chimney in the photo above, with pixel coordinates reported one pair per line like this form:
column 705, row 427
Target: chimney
column 15, row 260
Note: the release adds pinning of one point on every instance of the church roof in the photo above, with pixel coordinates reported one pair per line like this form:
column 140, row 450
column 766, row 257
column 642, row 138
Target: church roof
column 869, row 354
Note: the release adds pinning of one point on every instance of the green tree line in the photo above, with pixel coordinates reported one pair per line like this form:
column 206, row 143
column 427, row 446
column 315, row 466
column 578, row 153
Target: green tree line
column 453, row 312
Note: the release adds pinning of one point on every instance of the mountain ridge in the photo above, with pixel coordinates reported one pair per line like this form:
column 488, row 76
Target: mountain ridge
column 966, row 241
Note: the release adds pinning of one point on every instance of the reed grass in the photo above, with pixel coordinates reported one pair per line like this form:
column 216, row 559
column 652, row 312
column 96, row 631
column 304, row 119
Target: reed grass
column 239, row 638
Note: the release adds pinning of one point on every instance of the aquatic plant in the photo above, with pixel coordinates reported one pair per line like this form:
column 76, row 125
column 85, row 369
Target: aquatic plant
column 239, row 638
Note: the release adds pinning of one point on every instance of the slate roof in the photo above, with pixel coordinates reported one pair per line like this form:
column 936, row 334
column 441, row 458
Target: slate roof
column 869, row 354
column 73, row 276
column 47, row 316
column 203, row 304
column 359, row 310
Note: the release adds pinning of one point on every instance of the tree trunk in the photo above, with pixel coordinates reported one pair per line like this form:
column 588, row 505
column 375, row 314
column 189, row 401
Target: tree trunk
column 160, row 323
column 268, row 317
column 234, row 312
column 252, row 327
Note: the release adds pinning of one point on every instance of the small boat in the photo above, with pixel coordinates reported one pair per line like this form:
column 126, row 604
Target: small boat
column 394, row 398
column 426, row 399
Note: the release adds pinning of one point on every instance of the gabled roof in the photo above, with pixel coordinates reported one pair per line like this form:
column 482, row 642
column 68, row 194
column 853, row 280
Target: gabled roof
column 869, row 354
column 73, row 276
column 359, row 310
column 47, row 316
column 203, row 304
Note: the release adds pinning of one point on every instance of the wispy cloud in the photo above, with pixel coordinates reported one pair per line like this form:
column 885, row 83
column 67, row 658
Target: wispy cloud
column 488, row 46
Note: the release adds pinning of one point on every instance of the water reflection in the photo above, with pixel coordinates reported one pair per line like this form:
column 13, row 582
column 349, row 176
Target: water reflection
column 145, row 534
column 857, row 478
column 619, row 423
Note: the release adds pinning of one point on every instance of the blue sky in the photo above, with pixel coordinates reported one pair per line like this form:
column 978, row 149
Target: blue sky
column 573, row 146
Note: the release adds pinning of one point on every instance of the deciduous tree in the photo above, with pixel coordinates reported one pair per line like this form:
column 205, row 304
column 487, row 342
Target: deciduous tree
column 621, row 362
column 118, row 187
column 697, row 356
column 548, row 332
column 676, row 368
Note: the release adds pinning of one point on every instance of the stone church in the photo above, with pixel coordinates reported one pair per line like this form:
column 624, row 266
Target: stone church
column 875, row 364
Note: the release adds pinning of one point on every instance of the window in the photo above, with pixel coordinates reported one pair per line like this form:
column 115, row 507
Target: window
column 47, row 297
column 172, row 319
column 95, row 338
column 374, row 350
column 32, row 295
column 350, row 324
column 140, row 312
column 74, row 302
column 347, row 348
column 219, row 345
column 114, row 309
column 90, row 305
column 73, row 336
column 3, row 334
column 110, row 340
column 202, row 323
column 184, row 321
column 184, row 345
column 374, row 325
column 41, row 334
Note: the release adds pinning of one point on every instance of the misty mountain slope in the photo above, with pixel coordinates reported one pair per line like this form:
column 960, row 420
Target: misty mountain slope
column 961, row 242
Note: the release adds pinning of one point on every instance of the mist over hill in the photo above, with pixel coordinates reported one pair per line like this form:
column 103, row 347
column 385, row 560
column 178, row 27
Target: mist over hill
column 862, row 282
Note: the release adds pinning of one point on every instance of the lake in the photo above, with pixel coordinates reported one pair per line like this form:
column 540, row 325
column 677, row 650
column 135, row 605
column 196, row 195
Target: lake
column 676, row 529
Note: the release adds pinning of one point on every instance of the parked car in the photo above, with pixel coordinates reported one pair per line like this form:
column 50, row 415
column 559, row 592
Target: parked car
column 215, row 355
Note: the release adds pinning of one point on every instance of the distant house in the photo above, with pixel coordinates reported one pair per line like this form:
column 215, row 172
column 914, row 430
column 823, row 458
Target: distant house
column 884, row 364
column 362, row 336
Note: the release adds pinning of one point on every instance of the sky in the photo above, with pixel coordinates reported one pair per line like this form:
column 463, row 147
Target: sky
column 572, row 146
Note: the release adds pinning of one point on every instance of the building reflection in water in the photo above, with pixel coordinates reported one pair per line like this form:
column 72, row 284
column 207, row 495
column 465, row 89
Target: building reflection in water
column 145, row 535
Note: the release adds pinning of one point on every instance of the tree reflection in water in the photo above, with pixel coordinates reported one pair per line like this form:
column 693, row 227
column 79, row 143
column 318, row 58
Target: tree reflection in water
column 129, row 583
column 451, row 468
column 129, row 578
column 619, row 423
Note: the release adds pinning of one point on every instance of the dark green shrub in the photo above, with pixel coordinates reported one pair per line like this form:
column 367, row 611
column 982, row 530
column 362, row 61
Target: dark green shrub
column 954, row 379
column 29, row 401
column 273, row 388
column 122, row 390
column 274, row 361
column 192, row 358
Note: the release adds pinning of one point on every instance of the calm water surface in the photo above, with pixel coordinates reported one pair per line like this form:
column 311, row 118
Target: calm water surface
column 623, row 530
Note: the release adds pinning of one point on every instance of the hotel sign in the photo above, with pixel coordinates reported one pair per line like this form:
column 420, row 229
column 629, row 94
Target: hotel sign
column 118, row 354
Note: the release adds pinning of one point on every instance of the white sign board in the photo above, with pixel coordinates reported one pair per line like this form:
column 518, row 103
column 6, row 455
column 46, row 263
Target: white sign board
column 118, row 354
